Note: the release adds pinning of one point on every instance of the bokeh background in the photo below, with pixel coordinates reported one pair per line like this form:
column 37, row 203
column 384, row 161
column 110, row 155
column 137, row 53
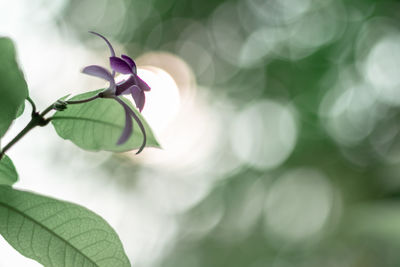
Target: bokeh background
column 279, row 121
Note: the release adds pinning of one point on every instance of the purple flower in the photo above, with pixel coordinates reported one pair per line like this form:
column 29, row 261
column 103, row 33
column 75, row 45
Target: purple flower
column 133, row 85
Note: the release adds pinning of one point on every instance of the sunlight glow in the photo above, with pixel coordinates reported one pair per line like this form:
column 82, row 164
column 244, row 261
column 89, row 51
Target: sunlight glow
column 349, row 113
column 163, row 101
column 382, row 68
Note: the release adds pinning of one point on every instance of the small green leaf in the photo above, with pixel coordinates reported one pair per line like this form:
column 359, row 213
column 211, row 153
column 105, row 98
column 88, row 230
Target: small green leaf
column 57, row 233
column 8, row 173
column 13, row 88
column 98, row 124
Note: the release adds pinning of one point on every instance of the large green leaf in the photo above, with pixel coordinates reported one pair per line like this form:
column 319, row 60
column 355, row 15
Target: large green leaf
column 98, row 124
column 57, row 233
column 8, row 173
column 13, row 88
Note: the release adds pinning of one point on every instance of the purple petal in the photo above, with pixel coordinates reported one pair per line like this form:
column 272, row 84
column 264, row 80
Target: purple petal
column 108, row 43
column 130, row 62
column 142, row 84
column 120, row 65
column 99, row 71
column 128, row 129
column 136, row 118
column 124, row 86
column 138, row 96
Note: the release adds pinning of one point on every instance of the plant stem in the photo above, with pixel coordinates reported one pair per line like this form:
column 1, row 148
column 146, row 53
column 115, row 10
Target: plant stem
column 39, row 120
column 32, row 104
column 47, row 110
column 32, row 124
column 83, row 100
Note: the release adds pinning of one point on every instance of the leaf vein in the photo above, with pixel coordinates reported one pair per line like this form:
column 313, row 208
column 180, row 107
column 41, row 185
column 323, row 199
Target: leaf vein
column 46, row 229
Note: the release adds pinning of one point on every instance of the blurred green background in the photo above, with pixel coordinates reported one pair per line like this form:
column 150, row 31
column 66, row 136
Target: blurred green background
column 279, row 121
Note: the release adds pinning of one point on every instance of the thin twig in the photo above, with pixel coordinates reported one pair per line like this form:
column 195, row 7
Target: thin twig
column 83, row 100
column 32, row 104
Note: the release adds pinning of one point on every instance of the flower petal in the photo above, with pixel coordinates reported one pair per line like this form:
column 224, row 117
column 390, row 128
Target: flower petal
column 128, row 129
column 136, row 118
column 99, row 71
column 108, row 43
column 130, row 62
column 138, row 96
column 124, row 86
column 120, row 65
column 142, row 84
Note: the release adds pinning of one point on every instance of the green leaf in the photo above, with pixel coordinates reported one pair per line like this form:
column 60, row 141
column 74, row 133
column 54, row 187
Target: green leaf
column 20, row 110
column 8, row 173
column 13, row 88
column 98, row 124
column 57, row 233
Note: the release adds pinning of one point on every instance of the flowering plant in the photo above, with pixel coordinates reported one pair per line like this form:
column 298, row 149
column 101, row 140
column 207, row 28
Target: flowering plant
column 50, row 231
column 133, row 85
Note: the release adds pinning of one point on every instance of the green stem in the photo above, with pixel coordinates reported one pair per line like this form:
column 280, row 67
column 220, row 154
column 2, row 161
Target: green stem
column 83, row 100
column 47, row 110
column 32, row 124
column 32, row 104
column 38, row 120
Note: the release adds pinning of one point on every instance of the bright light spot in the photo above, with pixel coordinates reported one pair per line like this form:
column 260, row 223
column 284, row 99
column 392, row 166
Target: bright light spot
column 264, row 134
column 188, row 140
column 178, row 69
column 258, row 45
column 191, row 134
column 288, row 9
column 315, row 29
column 350, row 115
column 382, row 68
column 278, row 11
column 298, row 204
column 310, row 31
column 163, row 101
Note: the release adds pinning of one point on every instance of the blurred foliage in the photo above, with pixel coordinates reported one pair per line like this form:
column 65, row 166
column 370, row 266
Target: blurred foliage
column 11, row 77
column 313, row 56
